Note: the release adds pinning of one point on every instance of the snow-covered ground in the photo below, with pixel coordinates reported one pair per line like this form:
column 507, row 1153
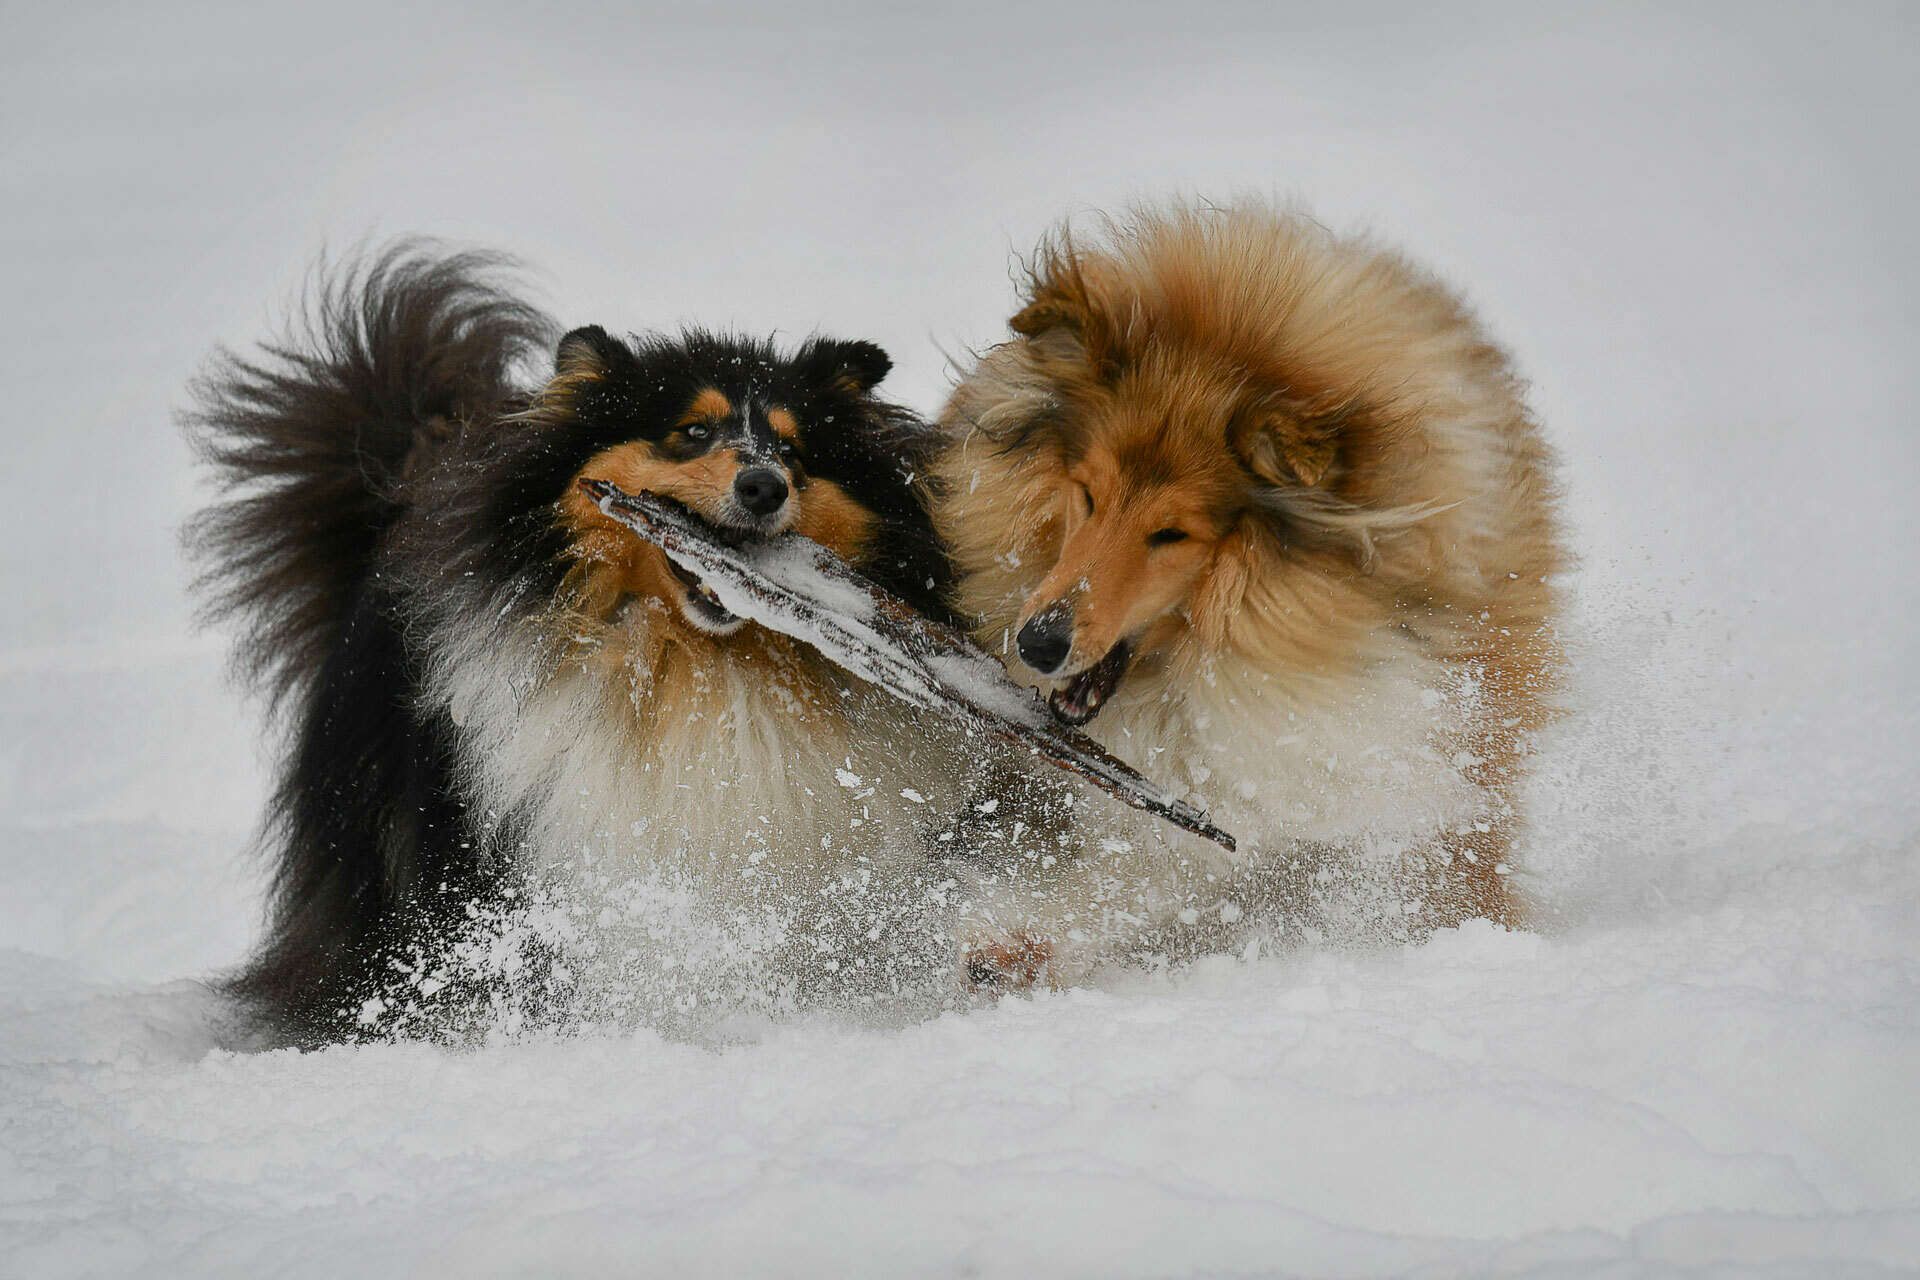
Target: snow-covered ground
column 1694, row 229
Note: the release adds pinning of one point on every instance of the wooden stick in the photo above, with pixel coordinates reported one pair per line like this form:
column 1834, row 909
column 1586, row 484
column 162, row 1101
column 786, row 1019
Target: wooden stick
column 799, row 588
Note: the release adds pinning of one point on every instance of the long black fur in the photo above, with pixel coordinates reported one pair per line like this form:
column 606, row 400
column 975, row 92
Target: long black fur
column 388, row 486
column 316, row 440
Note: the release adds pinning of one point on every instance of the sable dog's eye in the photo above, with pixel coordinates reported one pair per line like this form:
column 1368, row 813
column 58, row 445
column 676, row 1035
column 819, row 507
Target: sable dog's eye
column 1087, row 494
column 1163, row 537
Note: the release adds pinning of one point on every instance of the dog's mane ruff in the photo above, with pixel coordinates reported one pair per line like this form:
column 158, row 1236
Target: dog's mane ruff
column 697, row 806
column 563, row 715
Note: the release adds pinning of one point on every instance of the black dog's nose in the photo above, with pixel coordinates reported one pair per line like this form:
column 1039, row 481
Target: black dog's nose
column 760, row 490
column 1047, row 638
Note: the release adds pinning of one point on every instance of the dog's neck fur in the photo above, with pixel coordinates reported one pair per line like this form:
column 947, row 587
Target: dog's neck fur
column 1342, row 758
column 640, row 744
column 699, row 815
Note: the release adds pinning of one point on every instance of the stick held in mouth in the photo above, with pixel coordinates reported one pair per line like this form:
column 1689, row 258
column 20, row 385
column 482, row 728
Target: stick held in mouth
column 798, row 588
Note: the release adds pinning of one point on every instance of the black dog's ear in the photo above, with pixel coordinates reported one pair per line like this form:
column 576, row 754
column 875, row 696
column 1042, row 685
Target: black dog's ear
column 587, row 353
column 850, row 366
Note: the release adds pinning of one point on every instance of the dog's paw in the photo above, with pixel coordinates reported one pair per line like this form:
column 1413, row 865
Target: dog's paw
column 1015, row 962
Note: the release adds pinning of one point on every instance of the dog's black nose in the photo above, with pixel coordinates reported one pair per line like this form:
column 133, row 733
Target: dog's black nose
column 760, row 490
column 1047, row 638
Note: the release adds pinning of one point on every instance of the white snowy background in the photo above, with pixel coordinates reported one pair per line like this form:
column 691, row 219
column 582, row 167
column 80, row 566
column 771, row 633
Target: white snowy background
column 1693, row 225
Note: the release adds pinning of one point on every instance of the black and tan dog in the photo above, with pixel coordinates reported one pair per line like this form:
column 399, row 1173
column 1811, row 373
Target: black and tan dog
column 481, row 675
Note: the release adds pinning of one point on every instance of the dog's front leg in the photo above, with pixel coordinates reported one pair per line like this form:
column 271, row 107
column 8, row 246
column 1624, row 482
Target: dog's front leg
column 1047, row 907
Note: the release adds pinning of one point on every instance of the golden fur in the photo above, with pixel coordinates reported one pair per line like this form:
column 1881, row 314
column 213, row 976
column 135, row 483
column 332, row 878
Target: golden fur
column 1293, row 470
column 612, row 563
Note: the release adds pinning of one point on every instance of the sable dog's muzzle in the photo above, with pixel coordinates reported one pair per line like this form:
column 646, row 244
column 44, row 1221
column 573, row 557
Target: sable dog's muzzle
column 1047, row 638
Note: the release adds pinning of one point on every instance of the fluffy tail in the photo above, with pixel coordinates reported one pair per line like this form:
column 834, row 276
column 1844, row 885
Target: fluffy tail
column 315, row 439
column 313, row 436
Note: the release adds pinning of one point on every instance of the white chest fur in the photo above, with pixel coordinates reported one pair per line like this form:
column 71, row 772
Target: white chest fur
column 730, row 760
column 1361, row 759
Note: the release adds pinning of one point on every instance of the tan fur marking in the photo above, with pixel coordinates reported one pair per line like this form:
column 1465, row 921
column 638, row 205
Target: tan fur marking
column 784, row 424
column 613, row 563
column 834, row 520
column 711, row 405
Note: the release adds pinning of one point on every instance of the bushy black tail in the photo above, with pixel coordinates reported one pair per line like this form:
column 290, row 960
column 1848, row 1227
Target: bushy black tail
column 314, row 440
column 312, row 436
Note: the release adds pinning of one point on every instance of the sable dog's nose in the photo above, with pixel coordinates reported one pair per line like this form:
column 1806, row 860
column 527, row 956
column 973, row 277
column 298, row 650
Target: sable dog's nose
column 760, row 490
column 1047, row 638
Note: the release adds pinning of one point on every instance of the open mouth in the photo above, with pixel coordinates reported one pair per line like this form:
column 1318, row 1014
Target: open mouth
column 1080, row 699
column 701, row 606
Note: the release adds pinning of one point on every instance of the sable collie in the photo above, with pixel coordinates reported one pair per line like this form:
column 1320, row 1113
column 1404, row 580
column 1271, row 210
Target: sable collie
column 483, row 678
column 1263, row 507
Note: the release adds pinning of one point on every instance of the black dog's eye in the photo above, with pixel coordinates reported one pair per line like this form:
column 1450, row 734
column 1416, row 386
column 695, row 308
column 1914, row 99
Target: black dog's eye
column 698, row 431
column 788, row 449
column 1163, row 537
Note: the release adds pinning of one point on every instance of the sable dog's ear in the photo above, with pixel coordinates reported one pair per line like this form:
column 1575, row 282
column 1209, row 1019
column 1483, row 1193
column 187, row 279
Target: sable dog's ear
column 845, row 365
column 1065, row 315
column 1290, row 444
column 586, row 353
column 1047, row 313
column 1057, row 298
